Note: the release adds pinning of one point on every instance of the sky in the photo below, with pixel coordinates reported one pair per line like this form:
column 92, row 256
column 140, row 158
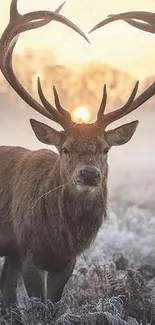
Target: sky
column 117, row 44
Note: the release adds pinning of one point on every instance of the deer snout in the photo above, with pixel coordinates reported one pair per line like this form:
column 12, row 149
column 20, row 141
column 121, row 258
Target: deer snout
column 89, row 176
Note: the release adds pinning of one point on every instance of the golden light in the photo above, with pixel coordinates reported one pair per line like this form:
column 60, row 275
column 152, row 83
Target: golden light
column 81, row 114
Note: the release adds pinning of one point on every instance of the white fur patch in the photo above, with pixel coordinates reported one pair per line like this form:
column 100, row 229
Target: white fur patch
column 85, row 188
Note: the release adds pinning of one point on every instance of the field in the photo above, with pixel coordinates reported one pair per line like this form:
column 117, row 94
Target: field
column 114, row 281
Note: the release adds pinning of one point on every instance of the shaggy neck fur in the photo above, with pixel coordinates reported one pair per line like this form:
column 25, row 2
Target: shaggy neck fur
column 78, row 216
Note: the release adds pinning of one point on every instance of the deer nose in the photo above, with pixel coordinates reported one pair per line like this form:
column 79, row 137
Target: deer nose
column 90, row 176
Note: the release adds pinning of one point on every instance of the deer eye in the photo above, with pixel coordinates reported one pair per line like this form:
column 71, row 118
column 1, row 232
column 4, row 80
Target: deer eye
column 65, row 150
column 106, row 150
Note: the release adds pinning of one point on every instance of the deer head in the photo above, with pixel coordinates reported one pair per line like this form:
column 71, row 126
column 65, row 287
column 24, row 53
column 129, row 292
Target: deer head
column 83, row 148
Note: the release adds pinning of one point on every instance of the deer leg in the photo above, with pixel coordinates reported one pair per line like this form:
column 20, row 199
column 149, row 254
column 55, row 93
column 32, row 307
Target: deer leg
column 34, row 279
column 56, row 283
column 8, row 281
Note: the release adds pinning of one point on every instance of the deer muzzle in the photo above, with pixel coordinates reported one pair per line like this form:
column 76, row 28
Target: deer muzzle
column 88, row 177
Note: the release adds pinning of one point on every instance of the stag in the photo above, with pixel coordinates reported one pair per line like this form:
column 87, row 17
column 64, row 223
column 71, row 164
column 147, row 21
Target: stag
column 53, row 204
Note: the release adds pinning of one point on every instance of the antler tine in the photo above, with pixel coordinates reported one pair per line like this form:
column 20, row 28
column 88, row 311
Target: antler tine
column 126, row 109
column 141, row 99
column 13, row 10
column 29, row 17
column 129, row 107
column 145, row 27
column 103, row 103
column 59, row 107
column 148, row 17
column 117, row 114
column 60, row 7
column 53, row 112
column 56, row 115
column 42, row 21
column 103, row 23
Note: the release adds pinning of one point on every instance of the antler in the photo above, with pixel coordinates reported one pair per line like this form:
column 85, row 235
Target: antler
column 19, row 23
column 131, row 105
column 103, row 120
column 129, row 17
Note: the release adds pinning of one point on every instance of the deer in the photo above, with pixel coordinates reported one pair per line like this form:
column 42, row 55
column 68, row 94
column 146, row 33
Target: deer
column 53, row 203
column 142, row 20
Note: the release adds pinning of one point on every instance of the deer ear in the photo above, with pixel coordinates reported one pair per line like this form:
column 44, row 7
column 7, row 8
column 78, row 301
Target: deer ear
column 122, row 134
column 45, row 134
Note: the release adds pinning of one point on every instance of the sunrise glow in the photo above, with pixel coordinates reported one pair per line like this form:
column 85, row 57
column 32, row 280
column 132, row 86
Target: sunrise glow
column 81, row 115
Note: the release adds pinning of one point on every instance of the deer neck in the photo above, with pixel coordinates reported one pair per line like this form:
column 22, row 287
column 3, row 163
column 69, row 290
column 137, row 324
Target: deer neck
column 82, row 214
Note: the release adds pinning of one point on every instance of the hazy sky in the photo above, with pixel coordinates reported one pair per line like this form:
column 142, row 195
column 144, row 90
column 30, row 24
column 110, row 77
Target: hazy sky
column 117, row 44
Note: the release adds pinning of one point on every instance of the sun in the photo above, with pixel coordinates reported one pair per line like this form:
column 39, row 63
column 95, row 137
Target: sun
column 81, row 114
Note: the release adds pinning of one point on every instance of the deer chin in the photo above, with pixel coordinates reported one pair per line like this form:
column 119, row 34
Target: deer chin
column 85, row 188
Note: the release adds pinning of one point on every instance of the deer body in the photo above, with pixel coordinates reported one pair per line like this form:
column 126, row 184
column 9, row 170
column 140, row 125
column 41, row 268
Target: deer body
column 47, row 230
column 53, row 226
